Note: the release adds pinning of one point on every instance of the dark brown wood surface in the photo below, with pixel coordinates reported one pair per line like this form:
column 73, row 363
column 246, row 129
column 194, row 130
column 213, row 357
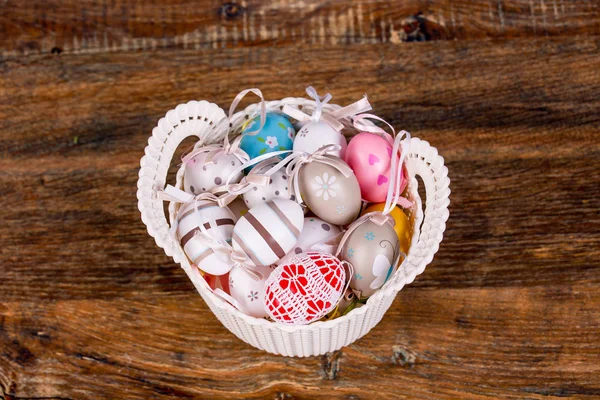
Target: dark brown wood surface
column 507, row 90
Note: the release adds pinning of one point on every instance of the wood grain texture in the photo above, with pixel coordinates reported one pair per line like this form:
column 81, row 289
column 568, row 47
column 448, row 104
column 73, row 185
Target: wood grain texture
column 509, row 308
column 90, row 26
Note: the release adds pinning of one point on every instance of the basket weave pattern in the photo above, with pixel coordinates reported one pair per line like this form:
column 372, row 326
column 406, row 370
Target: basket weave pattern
column 208, row 122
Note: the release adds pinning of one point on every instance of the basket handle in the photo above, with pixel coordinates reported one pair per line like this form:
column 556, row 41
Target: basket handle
column 195, row 118
column 424, row 161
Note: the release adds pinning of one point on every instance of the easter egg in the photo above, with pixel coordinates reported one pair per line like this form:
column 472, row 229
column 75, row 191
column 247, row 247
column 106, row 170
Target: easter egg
column 373, row 251
column 370, row 157
column 277, row 134
column 401, row 224
column 249, row 292
column 276, row 189
column 268, row 231
column 218, row 282
column 329, row 194
column 213, row 218
column 315, row 135
column 315, row 231
column 305, row 288
column 199, row 176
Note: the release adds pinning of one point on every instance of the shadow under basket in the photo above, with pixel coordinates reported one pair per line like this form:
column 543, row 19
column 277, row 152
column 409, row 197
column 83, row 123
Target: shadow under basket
column 208, row 123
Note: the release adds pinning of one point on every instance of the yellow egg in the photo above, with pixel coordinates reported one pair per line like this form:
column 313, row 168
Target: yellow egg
column 401, row 225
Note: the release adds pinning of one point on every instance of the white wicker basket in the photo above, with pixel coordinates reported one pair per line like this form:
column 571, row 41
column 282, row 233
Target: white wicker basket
column 207, row 122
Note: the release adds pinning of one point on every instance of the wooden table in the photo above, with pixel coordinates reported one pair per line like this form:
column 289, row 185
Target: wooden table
column 508, row 90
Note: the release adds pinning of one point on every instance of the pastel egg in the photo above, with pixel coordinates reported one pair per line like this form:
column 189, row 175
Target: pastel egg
column 304, row 289
column 315, row 135
column 401, row 224
column 329, row 194
column 370, row 157
column 212, row 217
column 248, row 292
column 373, row 252
column 268, row 231
column 277, row 134
column 199, row 176
column 276, row 189
column 315, row 231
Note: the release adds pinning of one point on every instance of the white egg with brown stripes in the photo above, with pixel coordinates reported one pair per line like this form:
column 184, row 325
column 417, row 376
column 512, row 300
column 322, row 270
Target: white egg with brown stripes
column 214, row 219
column 268, row 231
column 249, row 292
column 315, row 232
column 373, row 251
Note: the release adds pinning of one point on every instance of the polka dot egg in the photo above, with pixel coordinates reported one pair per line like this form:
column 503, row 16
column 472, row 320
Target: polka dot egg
column 276, row 135
column 315, row 231
column 277, row 188
column 199, row 176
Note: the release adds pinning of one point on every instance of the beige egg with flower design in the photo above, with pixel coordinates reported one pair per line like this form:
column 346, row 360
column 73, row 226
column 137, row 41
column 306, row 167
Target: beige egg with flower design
column 373, row 251
column 328, row 193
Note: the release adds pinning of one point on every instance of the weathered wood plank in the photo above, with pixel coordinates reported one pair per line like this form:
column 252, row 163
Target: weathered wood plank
column 444, row 343
column 517, row 124
column 132, row 25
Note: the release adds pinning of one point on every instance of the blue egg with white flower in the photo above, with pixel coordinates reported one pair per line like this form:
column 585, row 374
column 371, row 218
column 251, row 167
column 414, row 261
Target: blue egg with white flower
column 276, row 135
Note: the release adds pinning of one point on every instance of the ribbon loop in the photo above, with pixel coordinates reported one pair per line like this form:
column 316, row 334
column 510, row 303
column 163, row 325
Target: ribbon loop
column 358, row 107
column 298, row 159
column 320, row 102
column 213, row 151
column 361, row 126
column 263, row 107
column 401, row 145
column 318, row 113
column 171, row 193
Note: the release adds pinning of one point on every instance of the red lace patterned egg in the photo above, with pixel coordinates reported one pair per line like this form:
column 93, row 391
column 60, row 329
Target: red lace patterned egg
column 305, row 288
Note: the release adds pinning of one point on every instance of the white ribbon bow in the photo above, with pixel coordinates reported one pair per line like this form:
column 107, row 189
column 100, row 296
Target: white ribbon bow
column 331, row 118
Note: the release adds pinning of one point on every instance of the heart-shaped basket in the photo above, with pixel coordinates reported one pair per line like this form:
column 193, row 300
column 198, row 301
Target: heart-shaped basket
column 208, row 123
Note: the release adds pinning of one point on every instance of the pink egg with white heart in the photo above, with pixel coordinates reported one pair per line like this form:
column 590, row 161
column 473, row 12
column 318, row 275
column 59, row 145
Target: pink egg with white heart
column 370, row 157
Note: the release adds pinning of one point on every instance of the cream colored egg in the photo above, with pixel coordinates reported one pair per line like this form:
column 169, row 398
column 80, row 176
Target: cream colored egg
column 329, row 194
column 373, row 251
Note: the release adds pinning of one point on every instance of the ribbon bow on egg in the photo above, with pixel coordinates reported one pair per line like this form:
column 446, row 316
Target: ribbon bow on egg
column 332, row 118
column 254, row 177
column 297, row 160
